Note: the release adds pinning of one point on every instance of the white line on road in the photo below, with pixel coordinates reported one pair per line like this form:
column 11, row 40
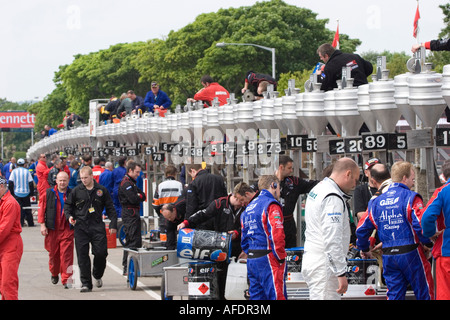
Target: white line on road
column 151, row 293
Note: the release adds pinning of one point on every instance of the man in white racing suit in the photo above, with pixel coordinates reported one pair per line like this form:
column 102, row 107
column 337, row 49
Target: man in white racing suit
column 327, row 235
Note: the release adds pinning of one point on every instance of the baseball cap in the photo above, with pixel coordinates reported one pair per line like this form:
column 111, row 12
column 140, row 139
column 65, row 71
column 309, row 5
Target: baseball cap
column 21, row 161
column 3, row 180
column 369, row 163
column 154, row 84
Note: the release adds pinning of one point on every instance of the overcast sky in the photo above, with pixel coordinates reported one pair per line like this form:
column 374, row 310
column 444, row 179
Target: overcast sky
column 40, row 35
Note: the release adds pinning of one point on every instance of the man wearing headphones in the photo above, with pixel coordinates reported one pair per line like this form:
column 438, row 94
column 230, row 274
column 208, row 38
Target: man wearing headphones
column 263, row 241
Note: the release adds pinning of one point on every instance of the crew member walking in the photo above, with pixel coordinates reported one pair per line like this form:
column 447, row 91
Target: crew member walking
column 11, row 245
column 58, row 232
column 83, row 209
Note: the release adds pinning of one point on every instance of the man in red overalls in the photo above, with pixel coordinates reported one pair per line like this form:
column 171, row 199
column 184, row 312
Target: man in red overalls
column 58, row 232
column 11, row 245
column 42, row 171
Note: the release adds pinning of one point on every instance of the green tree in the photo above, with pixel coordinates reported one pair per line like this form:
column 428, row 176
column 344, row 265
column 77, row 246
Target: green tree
column 180, row 61
column 51, row 110
column 100, row 75
column 300, row 78
column 395, row 61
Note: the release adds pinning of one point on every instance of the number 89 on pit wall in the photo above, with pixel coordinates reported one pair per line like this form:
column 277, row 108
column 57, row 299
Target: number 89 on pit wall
column 368, row 142
column 384, row 141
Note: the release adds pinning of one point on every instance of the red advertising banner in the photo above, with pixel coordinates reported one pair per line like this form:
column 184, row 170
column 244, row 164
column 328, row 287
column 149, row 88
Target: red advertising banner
column 17, row 119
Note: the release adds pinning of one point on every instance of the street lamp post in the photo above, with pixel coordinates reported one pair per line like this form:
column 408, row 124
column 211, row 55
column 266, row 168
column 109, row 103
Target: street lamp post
column 223, row 44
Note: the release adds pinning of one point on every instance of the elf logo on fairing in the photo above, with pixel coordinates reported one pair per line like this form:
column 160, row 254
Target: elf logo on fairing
column 203, row 254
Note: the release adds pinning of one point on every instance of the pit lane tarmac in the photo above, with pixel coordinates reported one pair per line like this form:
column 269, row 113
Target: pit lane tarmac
column 35, row 284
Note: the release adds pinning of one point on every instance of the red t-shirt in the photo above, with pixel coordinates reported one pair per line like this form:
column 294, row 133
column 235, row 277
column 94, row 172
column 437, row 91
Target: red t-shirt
column 210, row 92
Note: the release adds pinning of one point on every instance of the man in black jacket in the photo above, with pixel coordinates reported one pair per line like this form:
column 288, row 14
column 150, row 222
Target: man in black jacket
column 433, row 45
column 257, row 83
column 203, row 190
column 226, row 214
column 130, row 197
column 57, row 167
column 291, row 188
column 57, row 231
column 83, row 209
column 335, row 60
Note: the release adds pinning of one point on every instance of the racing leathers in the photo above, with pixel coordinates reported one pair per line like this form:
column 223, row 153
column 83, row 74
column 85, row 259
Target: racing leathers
column 263, row 242
column 130, row 197
column 327, row 239
column 435, row 219
column 393, row 214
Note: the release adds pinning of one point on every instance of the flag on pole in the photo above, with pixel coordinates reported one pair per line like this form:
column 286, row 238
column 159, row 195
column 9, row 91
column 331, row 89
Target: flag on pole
column 335, row 43
column 416, row 22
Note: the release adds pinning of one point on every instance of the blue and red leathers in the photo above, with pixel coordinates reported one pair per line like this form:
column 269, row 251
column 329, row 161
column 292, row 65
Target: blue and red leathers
column 436, row 218
column 263, row 242
column 393, row 214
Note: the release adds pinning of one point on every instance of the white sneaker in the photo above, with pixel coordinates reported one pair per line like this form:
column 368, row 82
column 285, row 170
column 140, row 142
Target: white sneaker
column 98, row 283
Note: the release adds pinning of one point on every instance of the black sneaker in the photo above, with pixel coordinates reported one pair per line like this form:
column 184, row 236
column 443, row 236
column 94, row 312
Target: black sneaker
column 55, row 279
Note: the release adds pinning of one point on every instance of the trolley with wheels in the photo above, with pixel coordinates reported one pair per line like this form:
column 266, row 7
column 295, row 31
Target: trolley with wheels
column 148, row 262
